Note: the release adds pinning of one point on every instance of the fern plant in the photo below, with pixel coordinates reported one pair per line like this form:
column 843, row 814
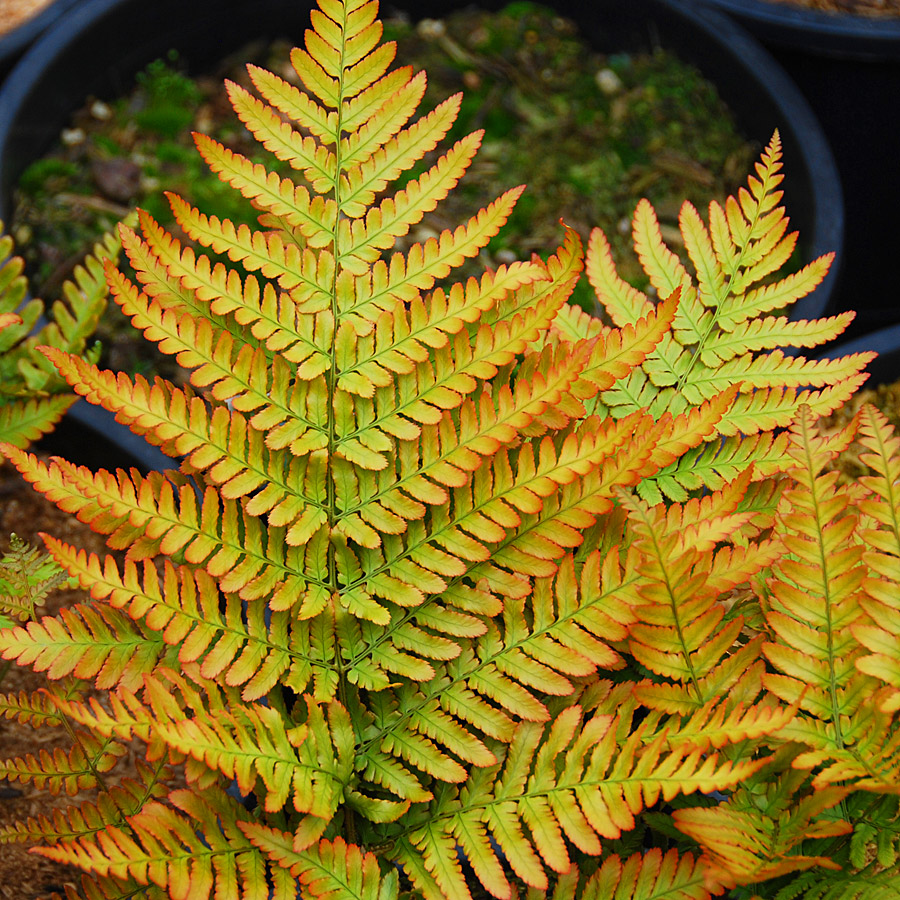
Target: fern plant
column 827, row 805
column 411, row 522
column 33, row 396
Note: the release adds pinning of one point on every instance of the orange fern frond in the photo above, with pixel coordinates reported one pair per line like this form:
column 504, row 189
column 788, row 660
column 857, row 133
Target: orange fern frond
column 682, row 633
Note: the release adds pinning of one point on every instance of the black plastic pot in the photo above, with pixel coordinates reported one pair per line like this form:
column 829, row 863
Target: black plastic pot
column 92, row 436
column 885, row 369
column 841, row 35
column 16, row 42
column 848, row 67
column 98, row 46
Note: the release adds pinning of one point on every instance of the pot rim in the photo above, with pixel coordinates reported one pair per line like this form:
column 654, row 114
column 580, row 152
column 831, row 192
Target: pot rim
column 841, row 34
column 14, row 43
column 885, row 368
column 94, row 430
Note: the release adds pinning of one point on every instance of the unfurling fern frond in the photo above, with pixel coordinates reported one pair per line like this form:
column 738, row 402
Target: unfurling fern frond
column 400, row 544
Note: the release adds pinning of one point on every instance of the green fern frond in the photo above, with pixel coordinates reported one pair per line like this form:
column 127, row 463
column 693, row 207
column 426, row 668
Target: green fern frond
column 720, row 328
column 876, row 831
column 26, row 579
column 73, row 318
column 866, row 885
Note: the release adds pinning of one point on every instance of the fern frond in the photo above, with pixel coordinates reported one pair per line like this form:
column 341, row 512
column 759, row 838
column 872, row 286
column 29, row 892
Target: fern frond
column 97, row 887
column 654, row 875
column 617, row 351
column 816, row 607
column 31, row 388
column 565, row 636
column 718, row 724
column 573, row 783
column 308, row 763
column 185, row 606
column 161, row 847
column 682, row 633
column 112, row 807
column 26, row 579
column 648, row 876
column 866, row 885
column 37, row 709
column 881, row 452
column 752, row 844
column 414, row 514
column 328, row 868
column 719, row 330
column 770, row 334
column 815, row 650
column 90, row 642
column 22, row 422
column 256, row 562
column 70, row 771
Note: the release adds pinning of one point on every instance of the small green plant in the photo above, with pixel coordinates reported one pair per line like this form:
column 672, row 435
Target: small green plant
column 453, row 586
column 27, row 577
column 33, row 396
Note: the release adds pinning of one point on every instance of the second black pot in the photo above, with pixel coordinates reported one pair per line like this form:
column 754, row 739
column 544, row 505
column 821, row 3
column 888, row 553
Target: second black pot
column 848, row 67
column 15, row 42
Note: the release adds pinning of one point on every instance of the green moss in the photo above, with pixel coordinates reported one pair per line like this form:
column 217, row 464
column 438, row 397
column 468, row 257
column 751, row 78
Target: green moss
column 170, row 98
column 43, row 174
column 109, row 145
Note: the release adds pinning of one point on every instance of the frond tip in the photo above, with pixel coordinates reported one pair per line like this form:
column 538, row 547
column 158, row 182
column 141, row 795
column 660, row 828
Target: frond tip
column 723, row 334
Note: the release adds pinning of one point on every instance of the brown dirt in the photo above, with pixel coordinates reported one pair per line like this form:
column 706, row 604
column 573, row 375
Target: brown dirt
column 25, row 875
column 855, row 7
column 12, row 14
